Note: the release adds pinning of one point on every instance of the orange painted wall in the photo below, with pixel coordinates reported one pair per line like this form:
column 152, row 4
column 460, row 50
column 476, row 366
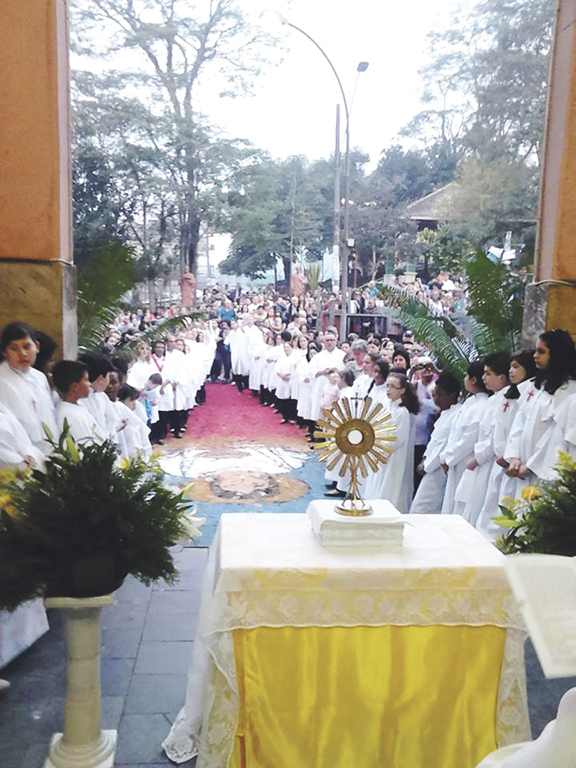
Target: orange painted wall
column 35, row 188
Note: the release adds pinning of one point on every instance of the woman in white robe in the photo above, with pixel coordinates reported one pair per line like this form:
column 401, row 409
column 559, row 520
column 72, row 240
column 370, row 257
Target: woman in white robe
column 23, row 389
column 463, row 437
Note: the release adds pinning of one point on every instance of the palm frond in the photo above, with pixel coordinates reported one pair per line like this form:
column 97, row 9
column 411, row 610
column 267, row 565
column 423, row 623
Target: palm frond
column 159, row 331
column 493, row 294
column 446, row 342
column 110, row 275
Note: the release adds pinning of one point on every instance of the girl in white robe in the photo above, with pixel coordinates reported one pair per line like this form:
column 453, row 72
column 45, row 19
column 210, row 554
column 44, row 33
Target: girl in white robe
column 555, row 381
column 495, row 378
column 305, row 382
column 430, row 494
column 370, row 486
column 285, row 368
column 24, row 390
column 463, row 437
column 521, row 368
column 397, row 476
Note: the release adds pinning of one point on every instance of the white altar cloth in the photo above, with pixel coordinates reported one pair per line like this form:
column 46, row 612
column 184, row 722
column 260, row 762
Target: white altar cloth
column 20, row 629
column 269, row 570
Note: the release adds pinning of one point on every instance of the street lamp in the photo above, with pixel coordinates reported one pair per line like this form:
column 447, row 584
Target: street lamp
column 346, row 250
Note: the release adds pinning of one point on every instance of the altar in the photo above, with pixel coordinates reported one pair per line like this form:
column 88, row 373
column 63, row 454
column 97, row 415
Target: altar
column 401, row 657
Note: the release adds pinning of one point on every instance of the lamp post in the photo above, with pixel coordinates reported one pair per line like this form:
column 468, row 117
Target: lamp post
column 345, row 249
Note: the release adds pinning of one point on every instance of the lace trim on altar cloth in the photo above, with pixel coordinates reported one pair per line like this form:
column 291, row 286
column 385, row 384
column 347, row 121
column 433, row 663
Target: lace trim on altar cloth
column 206, row 726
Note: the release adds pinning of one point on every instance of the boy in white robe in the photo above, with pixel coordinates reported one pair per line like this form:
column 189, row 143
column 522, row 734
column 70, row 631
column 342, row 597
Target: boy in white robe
column 430, row 493
column 71, row 380
column 16, row 449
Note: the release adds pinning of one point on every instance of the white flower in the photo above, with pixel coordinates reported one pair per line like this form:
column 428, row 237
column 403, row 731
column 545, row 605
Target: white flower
column 192, row 523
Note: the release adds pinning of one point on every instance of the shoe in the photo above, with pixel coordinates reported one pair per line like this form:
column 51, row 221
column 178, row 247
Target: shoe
column 331, row 486
column 178, row 437
column 284, row 421
column 335, row 494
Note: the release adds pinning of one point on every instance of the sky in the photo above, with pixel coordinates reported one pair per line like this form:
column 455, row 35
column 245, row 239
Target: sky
column 294, row 106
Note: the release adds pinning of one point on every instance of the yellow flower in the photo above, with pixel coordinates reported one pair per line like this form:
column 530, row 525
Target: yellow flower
column 530, row 493
column 565, row 461
column 5, row 500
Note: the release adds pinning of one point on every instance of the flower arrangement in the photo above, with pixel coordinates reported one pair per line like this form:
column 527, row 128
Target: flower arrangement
column 82, row 524
column 544, row 520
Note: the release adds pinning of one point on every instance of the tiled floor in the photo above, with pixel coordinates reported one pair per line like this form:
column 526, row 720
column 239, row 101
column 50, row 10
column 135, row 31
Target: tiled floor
column 147, row 636
column 146, row 645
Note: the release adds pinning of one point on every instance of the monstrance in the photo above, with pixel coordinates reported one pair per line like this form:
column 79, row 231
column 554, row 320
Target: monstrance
column 357, row 438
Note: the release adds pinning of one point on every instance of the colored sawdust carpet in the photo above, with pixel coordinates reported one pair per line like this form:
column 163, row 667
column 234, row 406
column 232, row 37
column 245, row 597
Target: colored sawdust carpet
column 228, row 417
column 236, row 453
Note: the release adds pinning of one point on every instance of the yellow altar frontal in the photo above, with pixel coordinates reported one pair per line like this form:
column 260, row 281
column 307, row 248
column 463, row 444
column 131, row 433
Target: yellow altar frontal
column 402, row 657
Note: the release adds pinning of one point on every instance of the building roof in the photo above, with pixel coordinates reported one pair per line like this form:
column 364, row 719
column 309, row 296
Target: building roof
column 439, row 205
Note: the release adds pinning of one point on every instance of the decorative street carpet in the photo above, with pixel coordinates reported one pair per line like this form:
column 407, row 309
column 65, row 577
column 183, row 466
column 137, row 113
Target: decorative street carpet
column 236, row 456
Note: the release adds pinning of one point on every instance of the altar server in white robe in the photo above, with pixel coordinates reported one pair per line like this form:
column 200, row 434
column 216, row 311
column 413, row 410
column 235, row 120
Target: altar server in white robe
column 239, row 355
column 561, row 437
column 16, row 449
column 285, row 367
column 370, row 486
column 495, row 380
column 252, row 349
column 463, row 435
column 71, row 380
column 98, row 403
column 430, row 494
column 176, row 372
column 305, row 375
column 555, row 381
column 142, row 368
column 330, row 357
column 398, row 477
column 137, row 433
column 522, row 368
column 23, row 389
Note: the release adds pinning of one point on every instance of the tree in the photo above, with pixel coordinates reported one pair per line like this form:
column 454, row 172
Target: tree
column 174, row 46
column 278, row 208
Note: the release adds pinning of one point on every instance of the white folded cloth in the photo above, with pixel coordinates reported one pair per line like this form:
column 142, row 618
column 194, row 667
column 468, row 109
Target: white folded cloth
column 384, row 527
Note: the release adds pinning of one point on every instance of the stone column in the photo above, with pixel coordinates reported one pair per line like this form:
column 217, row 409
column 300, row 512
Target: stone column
column 37, row 276
column 551, row 300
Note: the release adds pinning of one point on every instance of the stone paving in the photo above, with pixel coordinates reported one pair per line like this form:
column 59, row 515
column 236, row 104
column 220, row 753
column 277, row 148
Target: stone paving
column 147, row 637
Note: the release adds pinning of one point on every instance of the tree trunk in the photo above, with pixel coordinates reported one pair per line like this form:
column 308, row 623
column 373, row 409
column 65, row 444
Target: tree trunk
column 287, row 261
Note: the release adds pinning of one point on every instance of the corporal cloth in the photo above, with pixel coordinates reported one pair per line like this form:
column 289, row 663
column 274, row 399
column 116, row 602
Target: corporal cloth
column 419, row 648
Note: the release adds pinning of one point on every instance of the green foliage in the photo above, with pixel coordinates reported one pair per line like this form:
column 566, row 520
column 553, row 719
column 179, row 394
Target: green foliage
column 493, row 292
column 80, row 526
column 545, row 520
column 110, row 274
column 449, row 346
column 313, row 272
column 493, row 322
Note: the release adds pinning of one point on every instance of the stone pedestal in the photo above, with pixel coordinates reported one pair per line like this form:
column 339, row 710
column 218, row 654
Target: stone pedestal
column 82, row 744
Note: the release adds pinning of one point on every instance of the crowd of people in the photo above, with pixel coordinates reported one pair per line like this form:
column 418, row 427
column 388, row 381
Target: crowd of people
column 455, row 451
column 460, row 447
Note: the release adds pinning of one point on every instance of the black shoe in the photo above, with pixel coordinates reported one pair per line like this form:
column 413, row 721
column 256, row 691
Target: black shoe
column 331, row 486
column 335, row 494
column 284, row 421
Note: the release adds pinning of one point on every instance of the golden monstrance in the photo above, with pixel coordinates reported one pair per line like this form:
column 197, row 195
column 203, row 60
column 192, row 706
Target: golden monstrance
column 357, row 438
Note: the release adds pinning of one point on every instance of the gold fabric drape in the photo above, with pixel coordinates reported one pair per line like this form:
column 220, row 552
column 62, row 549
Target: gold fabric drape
column 367, row 697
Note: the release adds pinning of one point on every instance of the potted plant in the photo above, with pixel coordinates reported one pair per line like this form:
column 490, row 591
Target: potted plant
column 71, row 533
column 544, row 519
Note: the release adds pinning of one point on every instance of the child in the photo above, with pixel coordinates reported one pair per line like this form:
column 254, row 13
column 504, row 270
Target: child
column 71, row 380
column 136, row 434
column 23, row 389
column 331, row 390
column 151, row 398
